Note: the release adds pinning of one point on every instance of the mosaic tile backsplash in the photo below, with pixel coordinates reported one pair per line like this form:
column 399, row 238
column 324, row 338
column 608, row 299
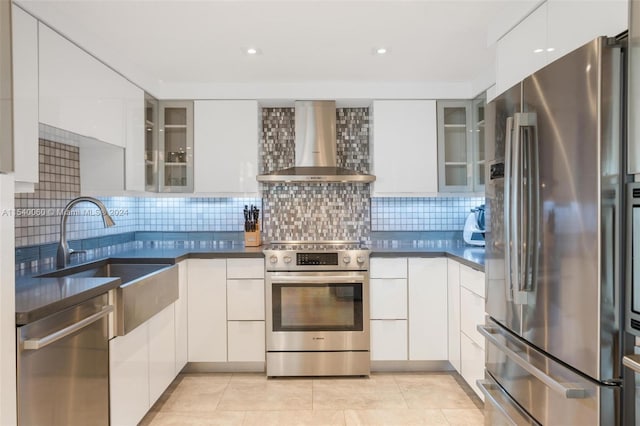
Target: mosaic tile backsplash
column 421, row 214
column 330, row 211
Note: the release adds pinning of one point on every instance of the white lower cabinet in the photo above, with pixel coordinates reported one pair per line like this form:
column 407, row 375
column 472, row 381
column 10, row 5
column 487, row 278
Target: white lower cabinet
column 453, row 312
column 246, row 341
column 207, row 296
column 162, row 352
column 389, row 340
column 182, row 318
column 226, row 310
column 472, row 363
column 427, row 309
column 129, row 377
column 408, row 309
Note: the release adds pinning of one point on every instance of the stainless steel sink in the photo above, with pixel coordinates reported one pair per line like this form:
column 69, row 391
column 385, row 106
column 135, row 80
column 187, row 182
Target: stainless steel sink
column 146, row 289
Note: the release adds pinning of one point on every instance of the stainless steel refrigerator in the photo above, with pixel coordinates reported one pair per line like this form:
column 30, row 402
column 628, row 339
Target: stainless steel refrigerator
column 553, row 240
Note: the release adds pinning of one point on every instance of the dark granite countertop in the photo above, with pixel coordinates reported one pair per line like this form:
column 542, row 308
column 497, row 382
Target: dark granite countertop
column 39, row 297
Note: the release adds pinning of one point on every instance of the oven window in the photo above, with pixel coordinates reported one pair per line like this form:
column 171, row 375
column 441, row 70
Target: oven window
column 329, row 307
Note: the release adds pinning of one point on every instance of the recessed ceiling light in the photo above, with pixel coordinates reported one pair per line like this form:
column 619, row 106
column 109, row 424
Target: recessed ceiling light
column 380, row 50
column 550, row 49
column 538, row 50
column 252, row 51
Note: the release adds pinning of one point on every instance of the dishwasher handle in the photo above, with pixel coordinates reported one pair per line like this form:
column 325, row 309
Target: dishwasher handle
column 632, row 362
column 35, row 344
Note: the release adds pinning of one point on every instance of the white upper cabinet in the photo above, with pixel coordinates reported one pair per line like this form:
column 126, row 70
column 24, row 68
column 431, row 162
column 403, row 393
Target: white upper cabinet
column 522, row 50
column 226, row 135
column 405, row 148
column 589, row 19
column 551, row 31
column 134, row 109
column 25, row 95
column 78, row 93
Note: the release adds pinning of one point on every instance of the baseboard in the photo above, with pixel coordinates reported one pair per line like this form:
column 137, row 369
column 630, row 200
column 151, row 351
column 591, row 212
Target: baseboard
column 224, row 367
column 408, row 366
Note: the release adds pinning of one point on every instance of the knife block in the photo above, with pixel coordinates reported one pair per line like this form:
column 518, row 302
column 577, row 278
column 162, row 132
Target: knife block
column 253, row 239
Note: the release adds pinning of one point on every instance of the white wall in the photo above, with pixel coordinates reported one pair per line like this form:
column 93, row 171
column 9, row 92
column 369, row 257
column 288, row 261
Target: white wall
column 7, row 304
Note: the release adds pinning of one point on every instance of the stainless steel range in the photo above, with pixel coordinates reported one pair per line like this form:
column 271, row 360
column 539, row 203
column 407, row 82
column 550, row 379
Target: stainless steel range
column 317, row 297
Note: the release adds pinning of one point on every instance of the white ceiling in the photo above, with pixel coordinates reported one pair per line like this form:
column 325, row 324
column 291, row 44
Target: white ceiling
column 178, row 48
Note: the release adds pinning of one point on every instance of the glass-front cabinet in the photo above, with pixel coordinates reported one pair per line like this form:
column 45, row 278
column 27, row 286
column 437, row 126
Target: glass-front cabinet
column 477, row 143
column 176, row 146
column 150, row 143
column 461, row 145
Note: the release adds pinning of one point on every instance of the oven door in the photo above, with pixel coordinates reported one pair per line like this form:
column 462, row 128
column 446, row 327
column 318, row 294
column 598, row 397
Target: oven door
column 317, row 311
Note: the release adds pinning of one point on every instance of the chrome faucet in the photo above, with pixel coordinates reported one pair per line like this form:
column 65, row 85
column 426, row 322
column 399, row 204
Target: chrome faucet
column 64, row 252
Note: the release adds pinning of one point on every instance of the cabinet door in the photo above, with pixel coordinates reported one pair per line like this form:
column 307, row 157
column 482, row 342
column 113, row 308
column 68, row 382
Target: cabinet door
column 427, row 309
column 246, row 341
column 472, row 363
column 207, row 296
column 245, row 300
column 589, row 19
column 388, row 298
column 226, row 135
column 77, row 92
column 522, row 50
column 162, row 352
column 25, row 95
column 388, row 340
column 453, row 312
column 134, row 110
column 176, row 146
column 455, row 161
column 404, row 148
column 182, row 330
column 129, row 377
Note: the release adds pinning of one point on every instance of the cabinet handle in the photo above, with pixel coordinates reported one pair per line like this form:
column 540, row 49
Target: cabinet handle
column 550, row 382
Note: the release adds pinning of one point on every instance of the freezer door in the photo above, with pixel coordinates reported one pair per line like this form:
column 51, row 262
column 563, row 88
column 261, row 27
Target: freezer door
column 499, row 302
column 549, row 392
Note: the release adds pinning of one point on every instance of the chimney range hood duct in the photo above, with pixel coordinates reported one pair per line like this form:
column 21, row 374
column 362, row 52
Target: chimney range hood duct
column 315, row 143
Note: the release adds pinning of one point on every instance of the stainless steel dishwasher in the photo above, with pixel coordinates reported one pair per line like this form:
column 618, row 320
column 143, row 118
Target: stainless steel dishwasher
column 63, row 367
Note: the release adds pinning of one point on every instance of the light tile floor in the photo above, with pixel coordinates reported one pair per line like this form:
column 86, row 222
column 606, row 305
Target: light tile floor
column 252, row 399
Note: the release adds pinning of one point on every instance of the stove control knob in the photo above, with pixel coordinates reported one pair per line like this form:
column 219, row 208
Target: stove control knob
column 287, row 259
column 273, row 259
column 346, row 260
column 360, row 259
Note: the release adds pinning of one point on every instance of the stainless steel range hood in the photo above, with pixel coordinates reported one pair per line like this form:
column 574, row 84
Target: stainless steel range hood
column 315, row 143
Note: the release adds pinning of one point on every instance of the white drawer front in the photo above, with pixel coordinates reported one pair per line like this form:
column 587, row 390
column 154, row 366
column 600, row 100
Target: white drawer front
column 245, row 300
column 245, row 268
column 388, row 298
column 471, row 314
column 472, row 363
column 389, row 268
column 472, row 280
column 388, row 340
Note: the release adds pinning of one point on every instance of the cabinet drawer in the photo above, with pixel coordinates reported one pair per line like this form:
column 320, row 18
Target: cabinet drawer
column 246, row 341
column 472, row 363
column 388, row 340
column 472, row 280
column 389, row 268
column 245, row 300
column 388, row 298
column 245, row 268
column 471, row 314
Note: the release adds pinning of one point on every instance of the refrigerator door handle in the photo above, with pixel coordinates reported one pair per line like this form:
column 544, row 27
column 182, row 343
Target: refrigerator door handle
column 566, row 390
column 510, row 246
column 525, row 203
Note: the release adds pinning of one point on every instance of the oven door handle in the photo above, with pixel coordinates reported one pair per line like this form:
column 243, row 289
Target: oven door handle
column 319, row 279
